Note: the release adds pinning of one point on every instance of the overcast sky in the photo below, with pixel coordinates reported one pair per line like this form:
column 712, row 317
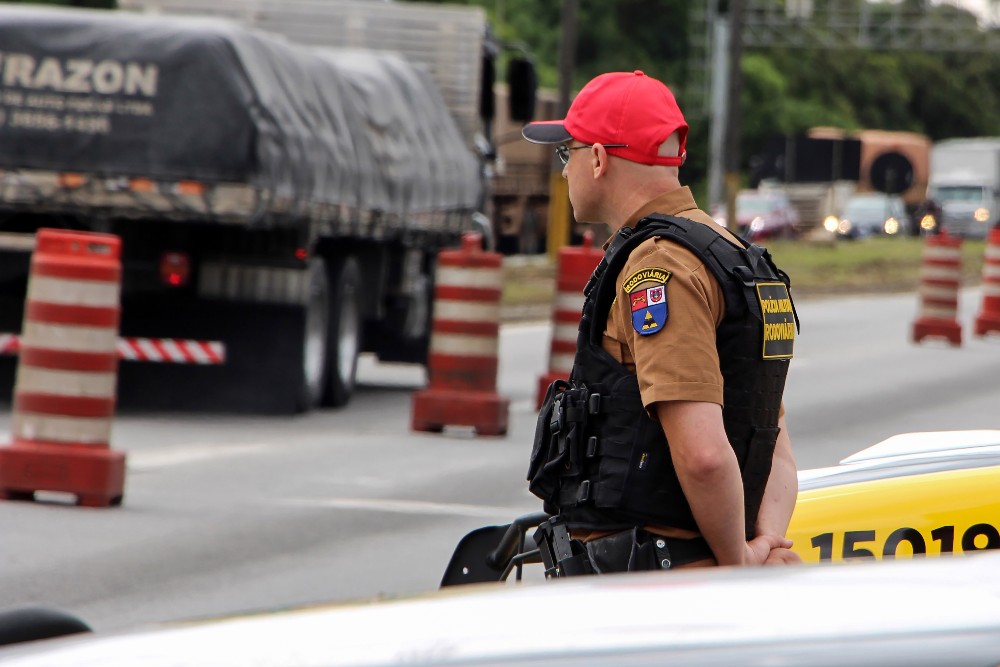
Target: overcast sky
column 980, row 7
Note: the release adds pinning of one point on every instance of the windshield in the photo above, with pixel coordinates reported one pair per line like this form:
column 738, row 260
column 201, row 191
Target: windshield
column 755, row 205
column 870, row 206
column 958, row 193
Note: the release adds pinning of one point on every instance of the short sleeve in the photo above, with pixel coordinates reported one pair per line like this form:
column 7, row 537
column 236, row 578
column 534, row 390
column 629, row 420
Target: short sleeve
column 665, row 315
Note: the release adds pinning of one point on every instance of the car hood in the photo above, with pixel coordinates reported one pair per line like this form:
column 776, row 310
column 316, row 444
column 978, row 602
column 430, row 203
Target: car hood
column 693, row 617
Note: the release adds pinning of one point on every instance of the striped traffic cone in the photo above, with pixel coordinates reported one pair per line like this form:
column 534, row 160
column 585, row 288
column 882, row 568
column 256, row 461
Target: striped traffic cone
column 573, row 270
column 940, row 279
column 462, row 365
column 64, row 393
column 988, row 319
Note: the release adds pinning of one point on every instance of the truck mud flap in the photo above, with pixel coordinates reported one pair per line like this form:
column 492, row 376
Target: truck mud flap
column 258, row 376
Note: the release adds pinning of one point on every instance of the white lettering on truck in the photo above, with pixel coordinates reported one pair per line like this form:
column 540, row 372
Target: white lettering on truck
column 78, row 75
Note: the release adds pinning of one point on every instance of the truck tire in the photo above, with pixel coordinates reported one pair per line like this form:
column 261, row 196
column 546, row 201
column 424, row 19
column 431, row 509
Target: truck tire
column 316, row 335
column 344, row 337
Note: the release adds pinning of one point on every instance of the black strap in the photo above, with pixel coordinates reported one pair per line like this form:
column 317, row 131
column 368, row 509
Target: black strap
column 684, row 551
column 697, row 237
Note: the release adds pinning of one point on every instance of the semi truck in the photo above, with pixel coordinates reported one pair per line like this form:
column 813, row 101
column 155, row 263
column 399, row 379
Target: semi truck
column 447, row 40
column 280, row 206
column 964, row 187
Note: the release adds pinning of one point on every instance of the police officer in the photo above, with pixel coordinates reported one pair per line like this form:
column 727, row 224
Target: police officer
column 668, row 446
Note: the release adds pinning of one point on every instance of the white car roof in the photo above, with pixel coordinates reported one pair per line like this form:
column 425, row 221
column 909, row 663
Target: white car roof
column 914, row 612
column 909, row 454
column 926, row 442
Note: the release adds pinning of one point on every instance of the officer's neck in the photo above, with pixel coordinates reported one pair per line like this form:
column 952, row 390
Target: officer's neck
column 637, row 193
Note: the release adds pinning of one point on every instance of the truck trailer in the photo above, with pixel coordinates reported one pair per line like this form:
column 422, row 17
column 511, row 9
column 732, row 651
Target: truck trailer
column 280, row 206
column 448, row 40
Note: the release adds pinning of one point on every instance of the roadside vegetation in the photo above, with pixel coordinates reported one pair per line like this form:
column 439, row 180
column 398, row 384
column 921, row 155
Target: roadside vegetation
column 817, row 269
column 868, row 265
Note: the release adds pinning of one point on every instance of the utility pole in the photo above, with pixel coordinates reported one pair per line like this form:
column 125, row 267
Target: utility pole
column 734, row 111
column 717, row 107
column 559, row 208
column 567, row 52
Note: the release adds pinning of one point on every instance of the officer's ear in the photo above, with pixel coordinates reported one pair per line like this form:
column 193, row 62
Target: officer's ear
column 599, row 160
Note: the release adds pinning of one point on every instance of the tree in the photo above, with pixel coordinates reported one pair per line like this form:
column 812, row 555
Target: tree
column 94, row 4
column 786, row 91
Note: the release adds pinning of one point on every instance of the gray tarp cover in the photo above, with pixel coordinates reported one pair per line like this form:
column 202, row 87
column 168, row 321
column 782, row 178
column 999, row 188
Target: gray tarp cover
column 167, row 98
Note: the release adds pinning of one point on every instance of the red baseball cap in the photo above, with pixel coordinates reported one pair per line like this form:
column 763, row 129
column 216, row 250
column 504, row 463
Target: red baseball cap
column 626, row 108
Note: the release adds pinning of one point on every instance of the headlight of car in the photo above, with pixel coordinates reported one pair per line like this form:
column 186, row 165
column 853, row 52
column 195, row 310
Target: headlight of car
column 928, row 222
column 844, row 226
column 757, row 224
column 831, row 223
column 982, row 214
column 891, row 226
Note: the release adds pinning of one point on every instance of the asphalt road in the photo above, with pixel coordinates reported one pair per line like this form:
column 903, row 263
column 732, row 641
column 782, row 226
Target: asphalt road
column 226, row 513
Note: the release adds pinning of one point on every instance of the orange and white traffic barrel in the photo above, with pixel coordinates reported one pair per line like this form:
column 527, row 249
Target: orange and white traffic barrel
column 462, row 364
column 988, row 319
column 573, row 269
column 940, row 279
column 65, row 388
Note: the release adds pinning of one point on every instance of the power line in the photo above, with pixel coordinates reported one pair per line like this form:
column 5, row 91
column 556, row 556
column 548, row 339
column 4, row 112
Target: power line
column 909, row 26
column 901, row 26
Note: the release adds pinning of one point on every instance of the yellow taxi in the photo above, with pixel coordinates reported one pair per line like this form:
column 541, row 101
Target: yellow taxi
column 916, row 494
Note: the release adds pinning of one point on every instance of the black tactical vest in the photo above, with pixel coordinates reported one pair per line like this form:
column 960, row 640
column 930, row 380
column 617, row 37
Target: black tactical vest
column 598, row 459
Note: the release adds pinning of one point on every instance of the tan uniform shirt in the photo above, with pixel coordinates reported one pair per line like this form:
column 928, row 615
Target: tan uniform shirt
column 678, row 361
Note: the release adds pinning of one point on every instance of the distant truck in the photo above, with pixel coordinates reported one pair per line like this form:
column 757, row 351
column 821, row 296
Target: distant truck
column 280, row 207
column 521, row 183
column 821, row 170
column 964, row 187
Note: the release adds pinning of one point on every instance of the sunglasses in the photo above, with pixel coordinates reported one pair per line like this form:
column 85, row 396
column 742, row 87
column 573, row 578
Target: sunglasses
column 562, row 150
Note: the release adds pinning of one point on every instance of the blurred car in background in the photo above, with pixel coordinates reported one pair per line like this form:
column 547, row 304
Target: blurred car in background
column 762, row 215
column 870, row 214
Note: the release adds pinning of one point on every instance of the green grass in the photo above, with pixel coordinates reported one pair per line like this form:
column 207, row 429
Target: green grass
column 879, row 265
column 529, row 285
column 867, row 265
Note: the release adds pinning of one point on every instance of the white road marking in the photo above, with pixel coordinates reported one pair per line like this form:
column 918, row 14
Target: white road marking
column 190, row 453
column 396, row 506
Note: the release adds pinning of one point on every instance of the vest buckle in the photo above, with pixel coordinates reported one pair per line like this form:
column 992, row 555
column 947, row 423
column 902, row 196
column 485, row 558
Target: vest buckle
column 594, row 404
column 584, row 494
column 558, row 420
column 745, row 275
column 591, row 447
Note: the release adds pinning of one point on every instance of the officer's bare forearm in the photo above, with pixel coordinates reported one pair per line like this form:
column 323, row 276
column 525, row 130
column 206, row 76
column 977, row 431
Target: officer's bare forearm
column 709, row 474
column 782, row 488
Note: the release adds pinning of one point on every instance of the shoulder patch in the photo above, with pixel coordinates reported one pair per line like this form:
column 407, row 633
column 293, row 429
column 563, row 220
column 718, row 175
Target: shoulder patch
column 647, row 295
column 779, row 320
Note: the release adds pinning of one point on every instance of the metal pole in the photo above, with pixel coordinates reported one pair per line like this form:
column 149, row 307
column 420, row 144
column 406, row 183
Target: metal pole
column 559, row 208
column 717, row 130
column 734, row 111
column 567, row 52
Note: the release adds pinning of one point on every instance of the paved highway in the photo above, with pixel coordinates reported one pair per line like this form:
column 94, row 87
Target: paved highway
column 227, row 513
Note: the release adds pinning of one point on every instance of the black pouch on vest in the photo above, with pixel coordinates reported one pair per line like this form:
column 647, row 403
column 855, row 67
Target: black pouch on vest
column 545, row 446
column 557, row 452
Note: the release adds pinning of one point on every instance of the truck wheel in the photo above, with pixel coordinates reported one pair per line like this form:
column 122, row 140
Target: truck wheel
column 316, row 334
column 344, row 340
